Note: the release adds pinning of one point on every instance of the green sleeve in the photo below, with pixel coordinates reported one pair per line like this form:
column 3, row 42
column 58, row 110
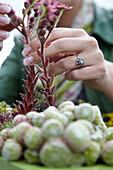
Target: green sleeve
column 103, row 32
column 11, row 74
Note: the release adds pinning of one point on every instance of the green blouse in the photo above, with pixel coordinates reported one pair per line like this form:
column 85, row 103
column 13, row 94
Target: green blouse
column 103, row 32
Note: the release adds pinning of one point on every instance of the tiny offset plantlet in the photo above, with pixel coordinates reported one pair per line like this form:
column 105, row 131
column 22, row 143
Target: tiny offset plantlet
column 40, row 17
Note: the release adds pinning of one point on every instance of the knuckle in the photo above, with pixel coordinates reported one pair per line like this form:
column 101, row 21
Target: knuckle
column 93, row 42
column 59, row 44
column 83, row 32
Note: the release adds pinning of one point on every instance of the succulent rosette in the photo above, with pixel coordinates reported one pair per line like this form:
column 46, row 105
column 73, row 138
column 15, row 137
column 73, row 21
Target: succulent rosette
column 5, row 133
column 33, row 138
column 92, row 153
column 107, row 153
column 30, row 115
column 11, row 150
column 78, row 159
column 98, row 119
column 64, row 104
column 18, row 131
column 52, row 112
column 18, row 119
column 38, row 119
column 31, row 156
column 85, row 111
column 77, row 136
column 98, row 135
column 52, row 128
column 55, row 153
column 109, row 133
column 86, row 123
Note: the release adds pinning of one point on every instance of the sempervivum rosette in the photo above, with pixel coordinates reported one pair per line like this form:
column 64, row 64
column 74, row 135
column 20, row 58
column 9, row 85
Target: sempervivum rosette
column 12, row 150
column 77, row 136
column 55, row 153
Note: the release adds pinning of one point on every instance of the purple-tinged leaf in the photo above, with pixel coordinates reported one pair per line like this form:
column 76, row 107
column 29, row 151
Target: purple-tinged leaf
column 25, row 81
column 52, row 89
column 22, row 108
column 23, row 96
column 29, row 108
column 18, row 109
column 47, row 62
column 28, row 97
column 32, row 88
column 34, row 97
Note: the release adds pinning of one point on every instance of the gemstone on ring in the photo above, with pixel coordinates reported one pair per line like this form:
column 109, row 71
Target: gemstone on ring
column 80, row 62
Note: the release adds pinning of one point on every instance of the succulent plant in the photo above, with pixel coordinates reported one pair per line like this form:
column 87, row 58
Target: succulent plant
column 109, row 133
column 52, row 112
column 29, row 98
column 77, row 136
column 18, row 131
column 52, row 128
column 11, row 150
column 33, row 138
column 85, row 111
column 42, row 17
column 5, row 133
column 64, row 104
column 86, row 123
column 77, row 160
column 92, row 153
column 55, row 153
column 31, row 156
column 38, row 119
column 107, row 153
column 98, row 119
column 18, row 119
column 30, row 115
column 98, row 135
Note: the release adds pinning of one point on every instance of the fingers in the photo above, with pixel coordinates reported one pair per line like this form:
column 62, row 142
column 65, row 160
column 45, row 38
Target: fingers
column 56, row 34
column 62, row 40
column 69, row 63
column 87, row 73
column 66, row 32
column 3, row 35
column 4, row 20
column 5, row 23
column 4, row 9
column 32, row 47
column 56, row 47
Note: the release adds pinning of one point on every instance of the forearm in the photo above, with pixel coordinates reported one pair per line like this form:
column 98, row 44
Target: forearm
column 107, row 83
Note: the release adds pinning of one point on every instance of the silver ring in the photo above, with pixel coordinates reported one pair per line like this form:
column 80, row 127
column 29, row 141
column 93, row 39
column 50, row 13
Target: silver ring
column 80, row 62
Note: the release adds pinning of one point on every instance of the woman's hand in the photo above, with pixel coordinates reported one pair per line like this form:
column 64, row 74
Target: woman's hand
column 5, row 25
column 65, row 45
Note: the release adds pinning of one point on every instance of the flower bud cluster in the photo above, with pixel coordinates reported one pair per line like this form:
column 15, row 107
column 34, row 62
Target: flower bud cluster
column 48, row 12
column 16, row 21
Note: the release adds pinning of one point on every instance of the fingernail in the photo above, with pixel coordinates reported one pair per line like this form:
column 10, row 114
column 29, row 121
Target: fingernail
column 4, row 34
column 5, row 8
column 28, row 60
column 4, row 20
column 26, row 51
